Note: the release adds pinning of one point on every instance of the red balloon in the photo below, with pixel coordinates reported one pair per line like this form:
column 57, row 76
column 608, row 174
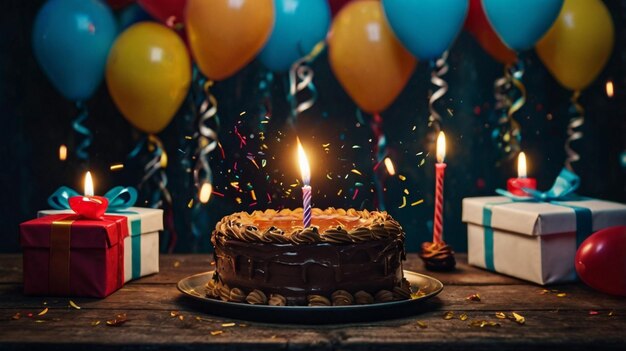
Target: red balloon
column 336, row 5
column 169, row 12
column 118, row 4
column 478, row 25
column 601, row 260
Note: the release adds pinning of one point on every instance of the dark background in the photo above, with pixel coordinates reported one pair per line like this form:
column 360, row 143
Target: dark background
column 35, row 120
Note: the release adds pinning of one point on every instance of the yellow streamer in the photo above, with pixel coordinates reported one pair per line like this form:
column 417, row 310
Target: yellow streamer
column 572, row 134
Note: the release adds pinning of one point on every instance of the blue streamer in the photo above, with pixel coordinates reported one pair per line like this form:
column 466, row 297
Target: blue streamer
column 82, row 131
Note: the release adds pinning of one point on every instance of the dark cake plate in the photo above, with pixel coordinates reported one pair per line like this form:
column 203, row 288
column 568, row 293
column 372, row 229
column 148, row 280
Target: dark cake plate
column 193, row 286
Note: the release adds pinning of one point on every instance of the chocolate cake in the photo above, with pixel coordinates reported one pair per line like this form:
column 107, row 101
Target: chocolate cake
column 346, row 257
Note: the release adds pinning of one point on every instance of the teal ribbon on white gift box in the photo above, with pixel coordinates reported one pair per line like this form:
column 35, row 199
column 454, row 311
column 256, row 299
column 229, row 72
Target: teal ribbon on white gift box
column 120, row 199
column 563, row 190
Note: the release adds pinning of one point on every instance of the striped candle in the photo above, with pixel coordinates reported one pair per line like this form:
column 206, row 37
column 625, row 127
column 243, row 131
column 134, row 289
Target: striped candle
column 305, row 169
column 440, row 168
column 306, row 206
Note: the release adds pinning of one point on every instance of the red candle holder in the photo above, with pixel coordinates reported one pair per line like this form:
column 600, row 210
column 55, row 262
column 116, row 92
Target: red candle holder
column 91, row 207
column 515, row 185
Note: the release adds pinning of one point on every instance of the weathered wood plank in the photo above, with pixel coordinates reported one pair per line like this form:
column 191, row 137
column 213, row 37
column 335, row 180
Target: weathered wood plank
column 159, row 330
column 453, row 297
column 175, row 267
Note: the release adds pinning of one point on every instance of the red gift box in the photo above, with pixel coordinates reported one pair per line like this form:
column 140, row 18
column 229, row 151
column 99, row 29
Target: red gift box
column 66, row 255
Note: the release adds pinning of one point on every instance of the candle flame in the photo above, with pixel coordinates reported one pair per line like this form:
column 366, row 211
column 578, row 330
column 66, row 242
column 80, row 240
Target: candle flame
column 609, row 89
column 62, row 152
column 305, row 169
column 390, row 168
column 88, row 184
column 521, row 165
column 205, row 192
column 441, row 147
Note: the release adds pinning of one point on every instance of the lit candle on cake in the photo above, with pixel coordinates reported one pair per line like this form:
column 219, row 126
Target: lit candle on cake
column 88, row 205
column 437, row 255
column 516, row 185
column 306, row 189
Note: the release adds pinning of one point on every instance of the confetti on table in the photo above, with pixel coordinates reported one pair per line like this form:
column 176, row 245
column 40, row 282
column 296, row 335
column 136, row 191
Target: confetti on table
column 16, row 316
column 463, row 317
column 518, row 318
column 227, row 325
column 174, row 313
column 448, row 315
column 74, row 305
column 473, row 297
column 422, row 325
column 119, row 320
column 483, row 323
column 593, row 313
column 44, row 311
column 561, row 294
column 217, row 332
column 612, row 313
column 176, row 264
column 95, row 323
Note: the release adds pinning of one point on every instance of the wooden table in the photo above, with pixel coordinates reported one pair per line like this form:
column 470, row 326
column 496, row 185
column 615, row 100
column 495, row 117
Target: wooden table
column 570, row 317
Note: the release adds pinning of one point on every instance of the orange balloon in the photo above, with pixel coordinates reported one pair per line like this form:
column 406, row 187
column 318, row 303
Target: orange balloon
column 369, row 62
column 225, row 35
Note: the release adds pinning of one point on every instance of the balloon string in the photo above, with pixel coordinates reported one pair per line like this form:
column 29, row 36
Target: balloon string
column 207, row 138
column 83, row 131
column 440, row 68
column 572, row 133
column 380, row 152
column 507, row 133
column 301, row 78
column 154, row 170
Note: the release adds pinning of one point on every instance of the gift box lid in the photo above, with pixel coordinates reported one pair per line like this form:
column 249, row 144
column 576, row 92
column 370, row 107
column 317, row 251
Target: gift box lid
column 541, row 218
column 84, row 233
column 141, row 220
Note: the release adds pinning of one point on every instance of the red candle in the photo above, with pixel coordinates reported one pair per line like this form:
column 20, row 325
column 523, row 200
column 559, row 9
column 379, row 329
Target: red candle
column 88, row 205
column 440, row 168
column 516, row 185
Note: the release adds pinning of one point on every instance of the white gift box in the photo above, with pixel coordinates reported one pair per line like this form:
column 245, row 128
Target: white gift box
column 141, row 247
column 534, row 241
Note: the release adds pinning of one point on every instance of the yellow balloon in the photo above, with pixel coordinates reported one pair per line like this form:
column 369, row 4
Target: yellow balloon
column 369, row 62
column 579, row 43
column 225, row 35
column 148, row 73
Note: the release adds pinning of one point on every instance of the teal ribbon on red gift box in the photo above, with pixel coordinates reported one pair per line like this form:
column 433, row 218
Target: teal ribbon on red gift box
column 120, row 199
column 562, row 190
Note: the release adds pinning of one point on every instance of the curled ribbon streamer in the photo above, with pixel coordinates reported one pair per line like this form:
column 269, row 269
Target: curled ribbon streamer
column 83, row 131
column 440, row 68
column 572, row 134
column 380, row 151
column 502, row 134
column 207, row 137
column 512, row 131
column 301, row 78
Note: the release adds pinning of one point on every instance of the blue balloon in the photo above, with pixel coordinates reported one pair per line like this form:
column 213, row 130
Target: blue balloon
column 427, row 28
column 299, row 25
column 521, row 23
column 71, row 41
column 130, row 15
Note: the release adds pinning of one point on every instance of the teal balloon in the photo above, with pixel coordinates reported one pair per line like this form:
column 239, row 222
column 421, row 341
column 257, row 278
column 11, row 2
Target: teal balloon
column 521, row 23
column 71, row 41
column 299, row 25
column 427, row 28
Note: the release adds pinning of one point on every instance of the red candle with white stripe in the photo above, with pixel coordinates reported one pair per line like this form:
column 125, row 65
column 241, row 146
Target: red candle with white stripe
column 440, row 168
column 306, row 189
